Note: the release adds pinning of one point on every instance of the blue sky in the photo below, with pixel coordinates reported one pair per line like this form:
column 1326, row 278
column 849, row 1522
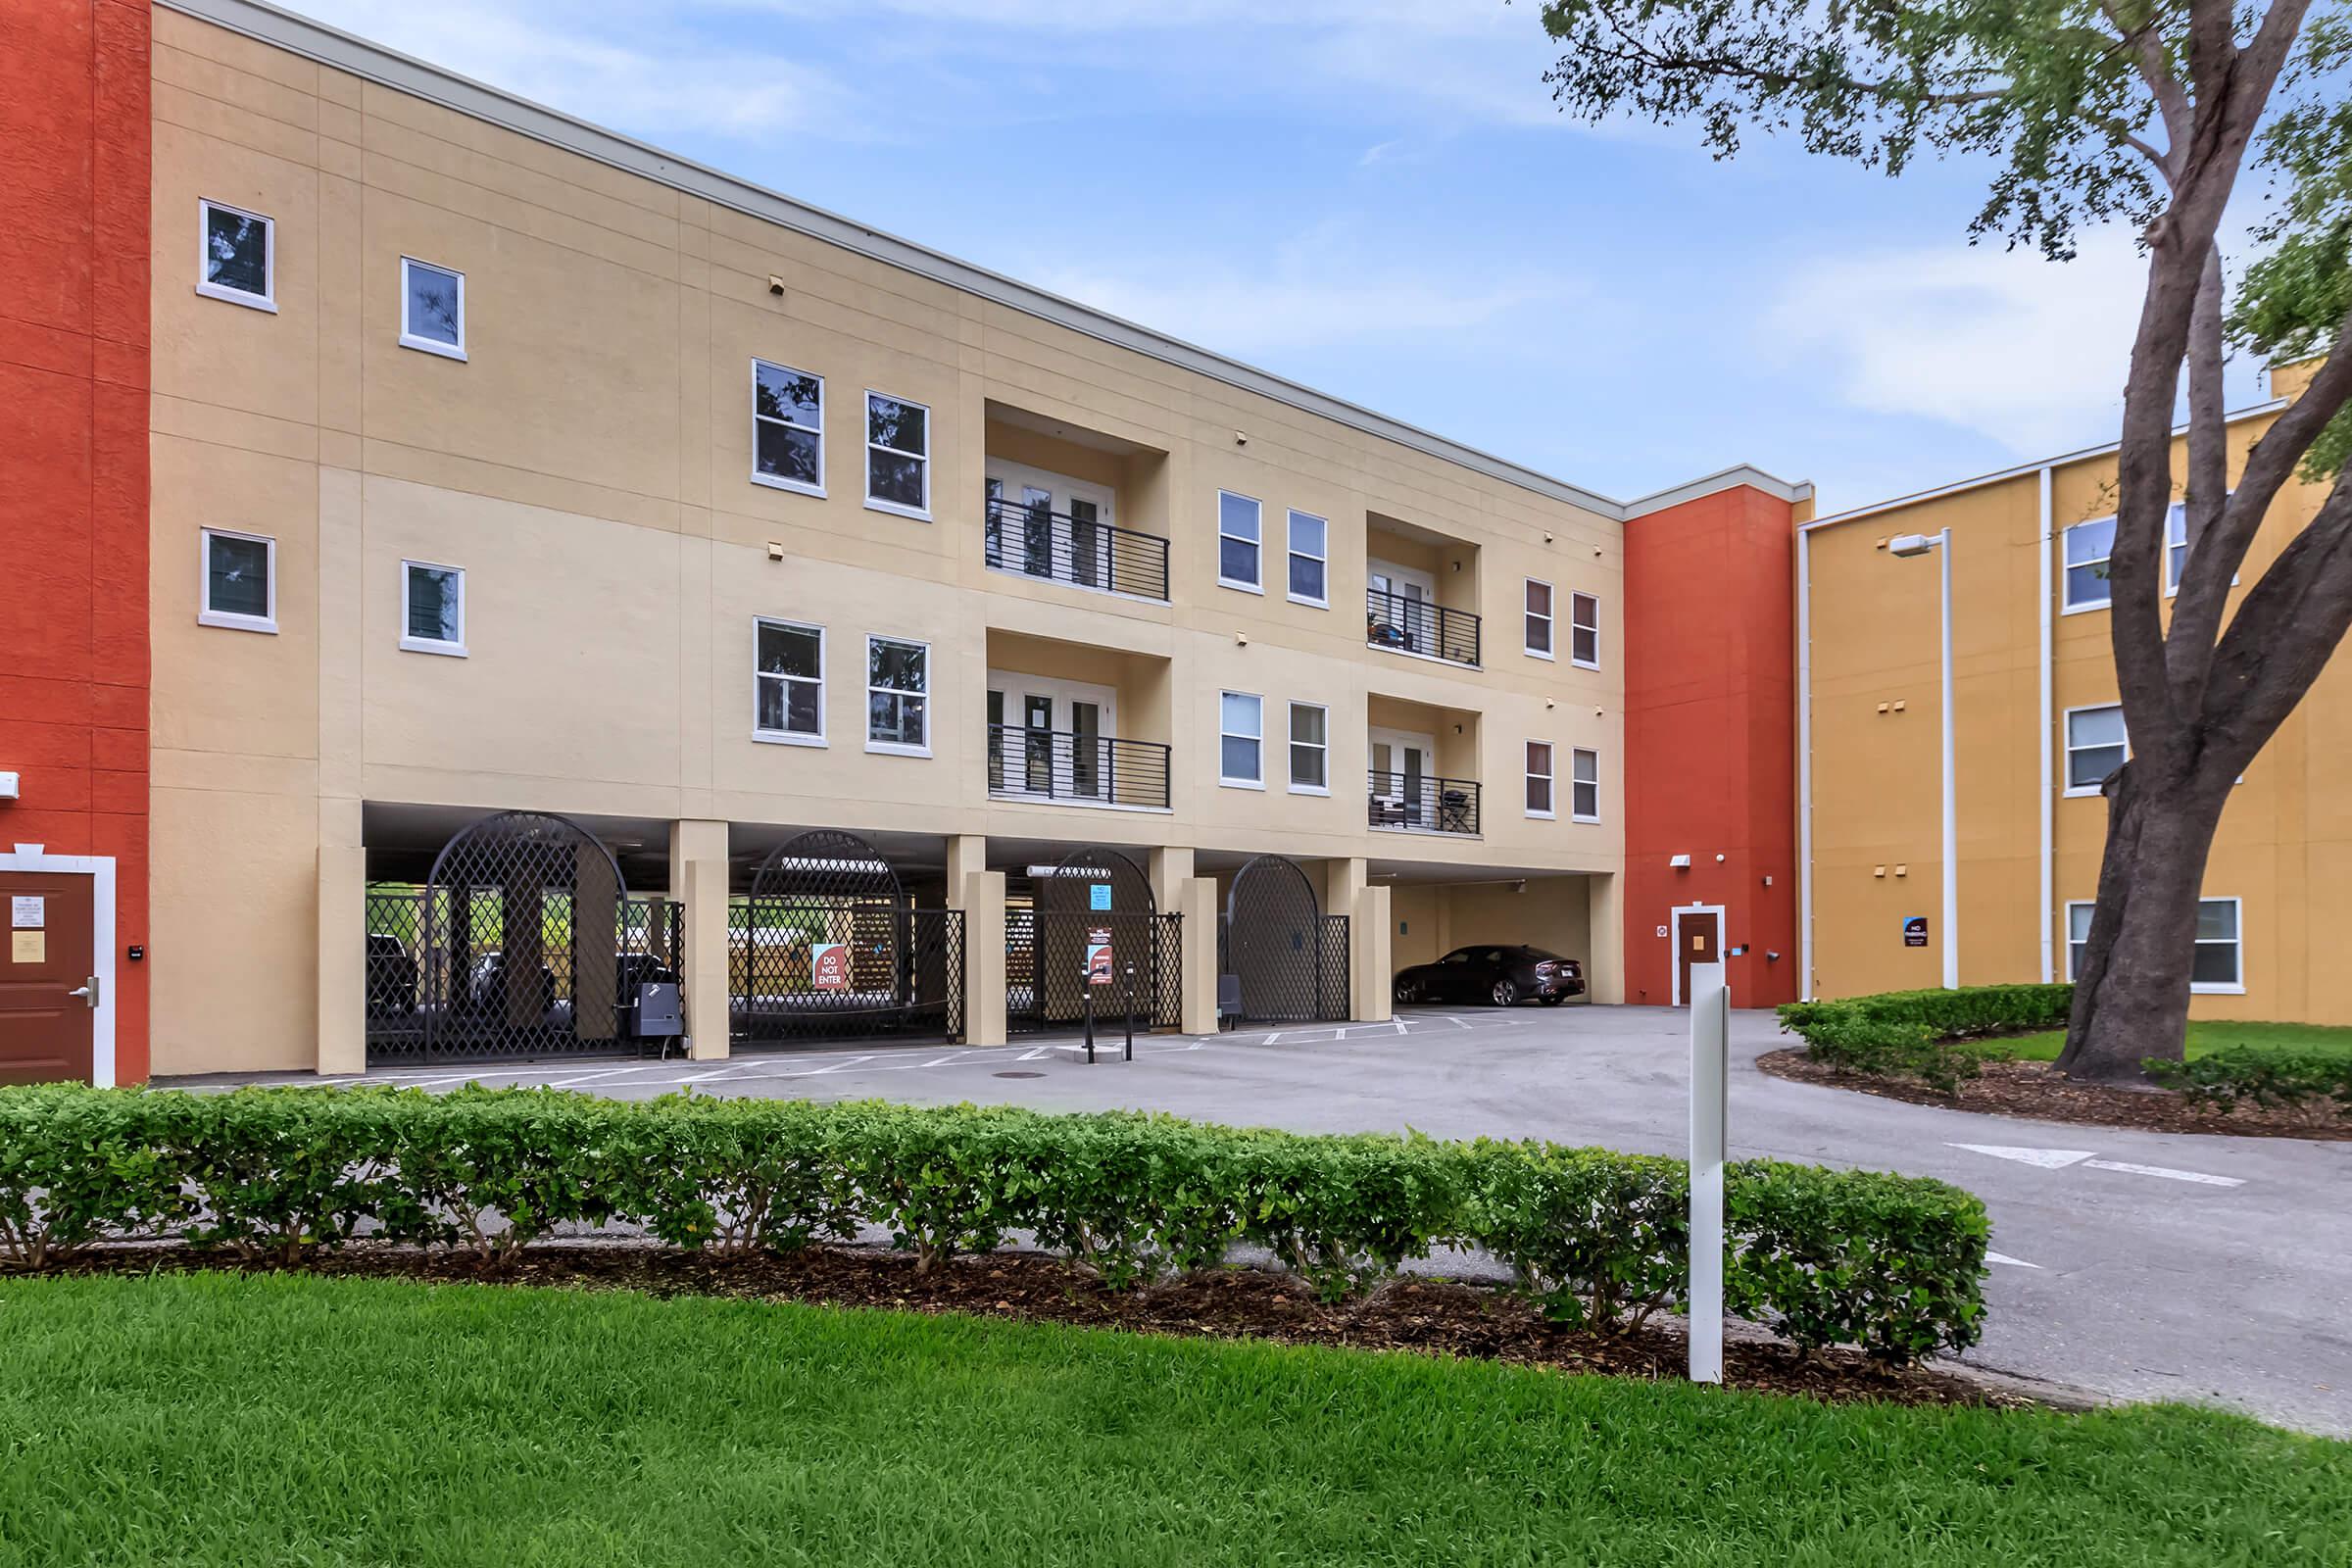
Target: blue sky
column 1375, row 197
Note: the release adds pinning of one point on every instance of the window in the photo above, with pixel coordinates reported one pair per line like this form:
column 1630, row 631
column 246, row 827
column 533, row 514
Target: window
column 788, row 428
column 1539, row 778
column 1237, row 521
column 2088, row 547
column 1310, row 749
column 1241, row 721
column 240, row 581
column 432, row 608
column 1584, row 630
column 238, row 259
column 2095, row 746
column 1539, row 619
column 898, row 456
column 2176, row 544
column 2218, row 964
column 432, row 308
column 1584, row 785
column 898, row 686
column 1309, row 541
column 789, row 678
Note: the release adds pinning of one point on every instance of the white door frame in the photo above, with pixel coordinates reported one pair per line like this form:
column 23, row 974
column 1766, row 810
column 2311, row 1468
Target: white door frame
column 100, row 868
column 1674, row 952
column 1060, row 490
column 1061, row 694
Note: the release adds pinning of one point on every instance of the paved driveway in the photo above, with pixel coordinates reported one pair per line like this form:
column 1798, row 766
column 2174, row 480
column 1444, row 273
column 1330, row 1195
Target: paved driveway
column 2141, row 1265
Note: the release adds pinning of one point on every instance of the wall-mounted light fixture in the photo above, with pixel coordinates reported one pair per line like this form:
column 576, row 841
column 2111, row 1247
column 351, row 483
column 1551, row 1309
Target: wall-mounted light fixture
column 775, row 550
column 775, row 284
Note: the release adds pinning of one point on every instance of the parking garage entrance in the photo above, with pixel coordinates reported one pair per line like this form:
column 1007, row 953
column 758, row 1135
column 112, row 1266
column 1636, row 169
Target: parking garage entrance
column 1279, row 958
column 1086, row 925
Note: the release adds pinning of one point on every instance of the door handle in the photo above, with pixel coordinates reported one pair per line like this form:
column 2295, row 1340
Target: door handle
column 89, row 992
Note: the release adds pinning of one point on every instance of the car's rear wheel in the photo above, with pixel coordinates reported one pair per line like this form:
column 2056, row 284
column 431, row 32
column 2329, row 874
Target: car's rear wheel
column 1407, row 989
column 1504, row 993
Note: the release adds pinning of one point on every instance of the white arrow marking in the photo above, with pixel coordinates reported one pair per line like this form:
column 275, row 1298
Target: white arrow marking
column 2045, row 1158
column 2164, row 1171
column 2013, row 1262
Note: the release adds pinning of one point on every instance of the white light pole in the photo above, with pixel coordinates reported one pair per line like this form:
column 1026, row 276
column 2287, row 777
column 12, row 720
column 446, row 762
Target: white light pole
column 1919, row 544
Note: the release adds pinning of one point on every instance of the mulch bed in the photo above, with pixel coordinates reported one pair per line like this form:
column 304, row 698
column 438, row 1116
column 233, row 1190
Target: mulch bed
column 2034, row 1090
column 1423, row 1316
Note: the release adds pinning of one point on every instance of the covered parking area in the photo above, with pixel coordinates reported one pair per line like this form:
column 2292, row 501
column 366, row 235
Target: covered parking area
column 1437, row 908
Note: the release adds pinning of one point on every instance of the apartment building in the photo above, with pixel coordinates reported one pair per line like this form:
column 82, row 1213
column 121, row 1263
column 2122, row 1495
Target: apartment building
column 2037, row 727
column 492, row 555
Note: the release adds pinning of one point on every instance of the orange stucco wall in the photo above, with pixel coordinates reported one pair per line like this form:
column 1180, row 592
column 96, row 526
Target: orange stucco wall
column 1710, row 738
column 75, row 141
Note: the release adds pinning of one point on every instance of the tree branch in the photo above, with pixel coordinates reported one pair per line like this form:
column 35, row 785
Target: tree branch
column 2283, row 636
column 2188, row 642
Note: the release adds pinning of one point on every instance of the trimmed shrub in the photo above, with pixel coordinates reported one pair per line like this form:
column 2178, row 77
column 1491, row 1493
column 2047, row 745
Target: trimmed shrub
column 492, row 1170
column 1344, row 1211
column 1923, row 1033
column 83, row 1165
column 275, row 1174
column 2224, row 1078
column 1598, row 1239
column 734, row 1176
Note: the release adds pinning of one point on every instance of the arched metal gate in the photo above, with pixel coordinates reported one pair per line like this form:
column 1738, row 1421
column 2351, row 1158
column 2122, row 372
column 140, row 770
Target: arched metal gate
column 1058, row 914
column 1289, row 958
column 527, row 944
column 829, row 946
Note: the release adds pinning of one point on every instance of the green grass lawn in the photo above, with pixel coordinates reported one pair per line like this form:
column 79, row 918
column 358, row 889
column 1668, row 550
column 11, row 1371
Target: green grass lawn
column 209, row 1419
column 2285, row 1039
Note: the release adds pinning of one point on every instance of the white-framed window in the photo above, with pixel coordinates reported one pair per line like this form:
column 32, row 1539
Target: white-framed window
column 1584, row 785
column 1584, row 631
column 2218, row 965
column 898, row 456
column 1537, row 637
column 1310, row 749
column 236, row 256
column 432, row 608
column 2176, row 544
column 788, row 700
column 1310, row 552
column 2088, row 547
column 1539, row 778
column 2097, row 745
column 788, row 428
column 1239, row 522
column 432, row 309
column 1241, row 733
column 237, row 582
column 898, row 696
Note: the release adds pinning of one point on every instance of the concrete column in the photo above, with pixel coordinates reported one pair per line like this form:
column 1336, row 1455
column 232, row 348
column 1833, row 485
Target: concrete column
column 1171, row 867
column 698, row 879
column 983, row 904
column 342, row 958
column 1605, row 964
column 1198, row 906
column 1371, row 928
column 967, row 853
column 595, row 945
column 1342, row 880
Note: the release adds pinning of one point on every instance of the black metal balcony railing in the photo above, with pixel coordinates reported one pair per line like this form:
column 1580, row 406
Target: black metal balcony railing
column 1076, row 769
column 1420, row 802
column 1026, row 537
column 1418, row 626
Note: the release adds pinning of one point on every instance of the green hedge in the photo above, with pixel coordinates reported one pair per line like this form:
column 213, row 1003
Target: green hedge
column 2224, row 1078
column 1923, row 1033
column 1891, row 1263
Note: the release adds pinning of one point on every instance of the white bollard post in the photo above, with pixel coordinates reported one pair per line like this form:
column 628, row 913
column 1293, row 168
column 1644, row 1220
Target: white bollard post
column 1710, row 1052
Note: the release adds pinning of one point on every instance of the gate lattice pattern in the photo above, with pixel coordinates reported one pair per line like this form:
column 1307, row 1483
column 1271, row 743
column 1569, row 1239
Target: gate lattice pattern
column 828, row 946
column 1046, row 943
column 1290, row 957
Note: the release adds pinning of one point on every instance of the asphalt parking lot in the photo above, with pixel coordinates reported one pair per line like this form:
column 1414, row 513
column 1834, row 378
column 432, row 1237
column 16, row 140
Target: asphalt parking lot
column 2129, row 1264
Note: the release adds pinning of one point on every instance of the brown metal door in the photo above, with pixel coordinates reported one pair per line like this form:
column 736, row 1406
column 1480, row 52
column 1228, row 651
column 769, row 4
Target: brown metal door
column 44, row 1028
column 1698, row 938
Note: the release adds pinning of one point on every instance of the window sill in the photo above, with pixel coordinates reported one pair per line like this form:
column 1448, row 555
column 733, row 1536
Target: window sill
column 1586, row 664
column 2091, row 794
column 1544, row 817
column 1240, row 784
column 917, row 513
column 1594, row 820
column 422, row 644
column 793, row 485
column 426, row 345
column 778, row 737
column 1538, row 653
column 237, row 296
column 2200, row 988
column 1311, row 604
column 1311, row 789
column 1241, row 587
column 2084, row 609
column 229, row 622
column 895, row 749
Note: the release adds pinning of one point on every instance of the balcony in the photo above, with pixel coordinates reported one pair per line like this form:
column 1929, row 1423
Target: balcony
column 1412, row 625
column 1075, row 547
column 1070, row 767
column 1419, row 803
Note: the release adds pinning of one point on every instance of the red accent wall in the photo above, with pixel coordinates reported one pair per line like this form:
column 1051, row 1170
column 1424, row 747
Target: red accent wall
column 75, row 150
column 1712, row 736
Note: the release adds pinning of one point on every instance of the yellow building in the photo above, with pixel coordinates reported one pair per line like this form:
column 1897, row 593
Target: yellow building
column 2036, row 728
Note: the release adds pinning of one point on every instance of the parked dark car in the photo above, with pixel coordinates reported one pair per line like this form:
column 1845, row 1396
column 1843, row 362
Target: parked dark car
column 486, row 987
column 1501, row 975
column 391, row 975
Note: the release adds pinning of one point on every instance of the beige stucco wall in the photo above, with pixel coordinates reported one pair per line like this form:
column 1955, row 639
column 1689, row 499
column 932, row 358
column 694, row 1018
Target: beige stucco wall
column 589, row 464
column 2284, row 846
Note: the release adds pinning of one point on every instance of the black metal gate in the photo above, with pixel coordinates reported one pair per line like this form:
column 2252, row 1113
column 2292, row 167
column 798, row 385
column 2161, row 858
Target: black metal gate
column 522, row 942
column 829, row 947
column 1093, row 893
column 1290, row 957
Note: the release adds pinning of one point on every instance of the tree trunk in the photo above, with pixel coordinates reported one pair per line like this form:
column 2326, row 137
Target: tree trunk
column 2131, row 985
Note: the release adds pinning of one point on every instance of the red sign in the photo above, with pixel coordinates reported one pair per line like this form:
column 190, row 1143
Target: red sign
column 1098, row 956
column 829, row 965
